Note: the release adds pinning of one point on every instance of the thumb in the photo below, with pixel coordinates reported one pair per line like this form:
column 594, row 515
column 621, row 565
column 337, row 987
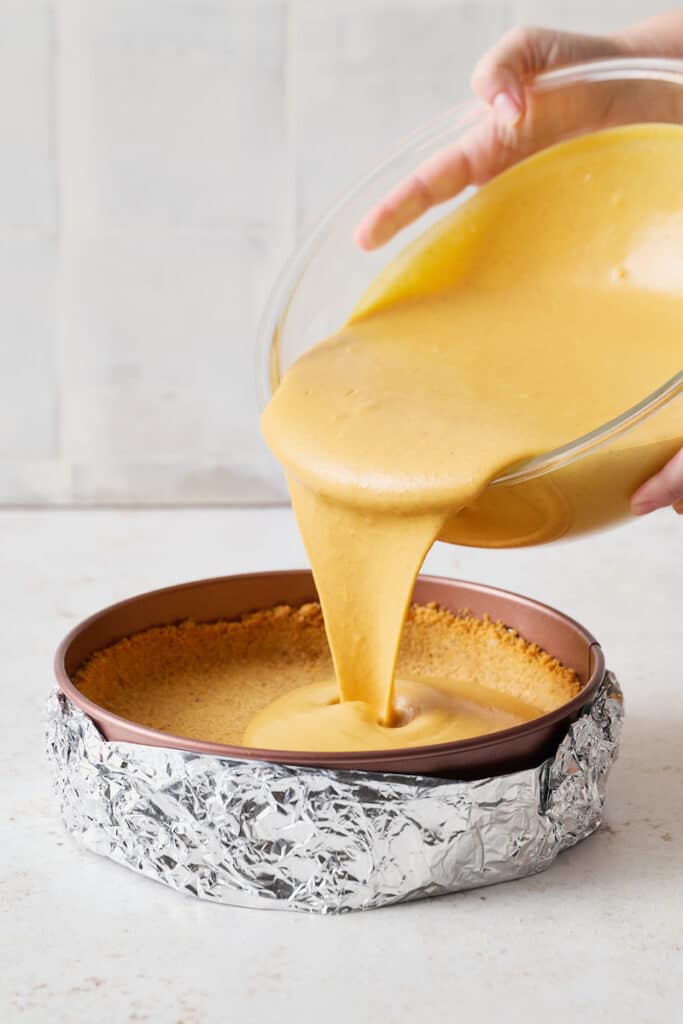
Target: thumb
column 500, row 76
column 664, row 488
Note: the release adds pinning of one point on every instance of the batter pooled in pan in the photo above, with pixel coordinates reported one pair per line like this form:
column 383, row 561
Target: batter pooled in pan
column 209, row 681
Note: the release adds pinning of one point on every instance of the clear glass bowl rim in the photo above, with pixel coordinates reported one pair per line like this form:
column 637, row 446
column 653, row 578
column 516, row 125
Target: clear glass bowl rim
column 442, row 127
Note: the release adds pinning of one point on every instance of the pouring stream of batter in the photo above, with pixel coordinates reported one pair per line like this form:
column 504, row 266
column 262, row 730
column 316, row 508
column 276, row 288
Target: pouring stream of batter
column 548, row 303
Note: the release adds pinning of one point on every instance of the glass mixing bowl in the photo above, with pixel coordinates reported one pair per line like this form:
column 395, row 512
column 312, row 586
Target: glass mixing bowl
column 587, row 483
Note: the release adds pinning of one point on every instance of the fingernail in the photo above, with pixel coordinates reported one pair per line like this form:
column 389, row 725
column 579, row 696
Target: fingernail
column 360, row 237
column 368, row 235
column 508, row 109
column 642, row 508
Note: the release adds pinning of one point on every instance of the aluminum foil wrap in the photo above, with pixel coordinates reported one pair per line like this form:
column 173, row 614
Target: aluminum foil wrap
column 263, row 835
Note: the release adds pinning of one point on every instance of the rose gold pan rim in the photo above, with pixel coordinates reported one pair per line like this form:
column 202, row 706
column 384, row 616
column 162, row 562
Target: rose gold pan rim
column 202, row 600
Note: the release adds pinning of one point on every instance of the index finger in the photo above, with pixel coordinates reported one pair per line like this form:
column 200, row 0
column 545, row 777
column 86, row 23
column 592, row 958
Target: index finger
column 473, row 159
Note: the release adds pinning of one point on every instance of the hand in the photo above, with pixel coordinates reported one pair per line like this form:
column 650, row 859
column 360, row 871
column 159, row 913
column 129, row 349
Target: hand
column 519, row 123
column 514, row 126
column 664, row 488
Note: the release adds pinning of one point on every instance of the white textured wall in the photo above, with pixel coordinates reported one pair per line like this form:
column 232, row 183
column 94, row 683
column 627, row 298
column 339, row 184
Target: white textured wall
column 157, row 159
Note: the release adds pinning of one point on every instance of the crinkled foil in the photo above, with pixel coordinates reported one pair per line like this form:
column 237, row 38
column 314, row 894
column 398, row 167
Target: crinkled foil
column 262, row 835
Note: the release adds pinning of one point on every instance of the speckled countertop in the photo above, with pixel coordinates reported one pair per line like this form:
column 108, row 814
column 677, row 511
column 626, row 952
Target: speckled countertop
column 596, row 937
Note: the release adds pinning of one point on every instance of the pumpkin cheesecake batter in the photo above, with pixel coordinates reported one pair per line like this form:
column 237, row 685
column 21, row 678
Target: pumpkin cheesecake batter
column 548, row 303
column 208, row 681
